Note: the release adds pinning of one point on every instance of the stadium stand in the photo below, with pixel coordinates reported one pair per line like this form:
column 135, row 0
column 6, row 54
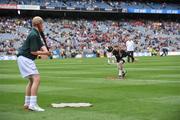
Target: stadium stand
column 92, row 36
column 96, row 4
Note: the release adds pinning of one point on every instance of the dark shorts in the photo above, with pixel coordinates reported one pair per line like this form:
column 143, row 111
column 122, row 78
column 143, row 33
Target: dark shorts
column 119, row 60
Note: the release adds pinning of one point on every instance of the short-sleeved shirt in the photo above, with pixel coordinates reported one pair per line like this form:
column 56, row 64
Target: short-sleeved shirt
column 130, row 45
column 33, row 43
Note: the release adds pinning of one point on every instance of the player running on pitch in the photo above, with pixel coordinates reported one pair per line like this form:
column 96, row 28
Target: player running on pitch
column 31, row 48
column 120, row 53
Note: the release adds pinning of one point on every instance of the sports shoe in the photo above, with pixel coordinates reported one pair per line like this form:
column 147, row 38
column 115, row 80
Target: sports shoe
column 124, row 73
column 36, row 108
column 26, row 107
column 120, row 77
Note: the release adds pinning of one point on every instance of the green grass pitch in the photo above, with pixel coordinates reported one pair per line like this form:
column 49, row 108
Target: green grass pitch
column 151, row 90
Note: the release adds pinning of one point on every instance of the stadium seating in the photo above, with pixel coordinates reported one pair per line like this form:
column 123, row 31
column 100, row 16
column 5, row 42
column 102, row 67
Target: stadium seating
column 88, row 35
column 85, row 35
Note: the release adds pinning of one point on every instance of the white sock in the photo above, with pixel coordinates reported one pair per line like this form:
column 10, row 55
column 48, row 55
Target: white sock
column 33, row 100
column 123, row 70
column 27, row 101
column 120, row 72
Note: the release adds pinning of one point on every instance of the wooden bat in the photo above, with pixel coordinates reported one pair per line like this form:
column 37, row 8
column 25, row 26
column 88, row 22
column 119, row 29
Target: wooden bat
column 44, row 39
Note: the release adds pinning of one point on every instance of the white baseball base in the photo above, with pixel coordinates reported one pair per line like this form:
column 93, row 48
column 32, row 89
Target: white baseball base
column 76, row 105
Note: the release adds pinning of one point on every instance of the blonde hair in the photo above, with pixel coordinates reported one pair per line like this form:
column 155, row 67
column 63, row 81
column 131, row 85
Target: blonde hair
column 37, row 20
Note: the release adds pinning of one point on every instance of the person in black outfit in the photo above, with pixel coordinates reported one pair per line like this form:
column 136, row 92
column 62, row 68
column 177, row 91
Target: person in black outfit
column 165, row 51
column 120, row 53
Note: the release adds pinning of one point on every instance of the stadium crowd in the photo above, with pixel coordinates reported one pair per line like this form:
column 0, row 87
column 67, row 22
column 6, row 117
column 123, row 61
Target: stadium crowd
column 71, row 37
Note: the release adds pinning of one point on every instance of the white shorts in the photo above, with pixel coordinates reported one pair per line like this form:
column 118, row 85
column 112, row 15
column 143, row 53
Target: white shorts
column 109, row 55
column 27, row 67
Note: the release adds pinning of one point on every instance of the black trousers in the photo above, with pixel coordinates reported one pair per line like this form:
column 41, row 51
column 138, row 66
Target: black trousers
column 165, row 52
column 130, row 56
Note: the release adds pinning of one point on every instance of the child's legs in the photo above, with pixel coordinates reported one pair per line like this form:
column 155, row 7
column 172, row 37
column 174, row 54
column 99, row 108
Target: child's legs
column 28, row 87
column 109, row 60
column 34, row 90
column 28, row 93
column 120, row 67
column 35, row 84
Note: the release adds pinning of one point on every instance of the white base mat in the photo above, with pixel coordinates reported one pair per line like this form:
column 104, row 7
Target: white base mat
column 62, row 105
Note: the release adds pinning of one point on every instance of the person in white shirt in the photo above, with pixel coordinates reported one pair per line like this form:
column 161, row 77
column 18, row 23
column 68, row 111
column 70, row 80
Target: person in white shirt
column 130, row 49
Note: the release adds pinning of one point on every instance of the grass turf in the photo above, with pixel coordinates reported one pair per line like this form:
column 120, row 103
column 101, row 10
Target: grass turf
column 151, row 90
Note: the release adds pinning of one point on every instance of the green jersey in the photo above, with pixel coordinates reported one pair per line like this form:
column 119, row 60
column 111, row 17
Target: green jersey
column 33, row 43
